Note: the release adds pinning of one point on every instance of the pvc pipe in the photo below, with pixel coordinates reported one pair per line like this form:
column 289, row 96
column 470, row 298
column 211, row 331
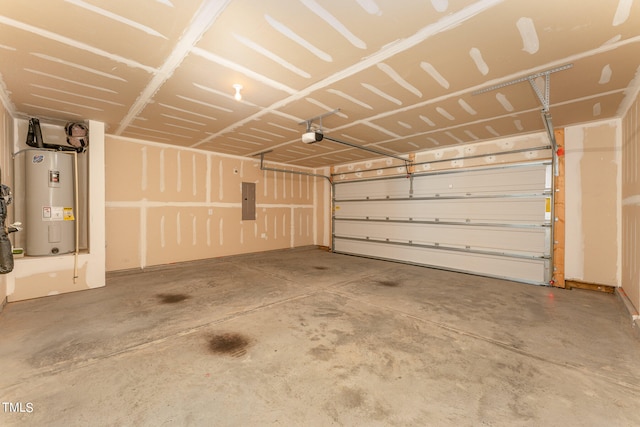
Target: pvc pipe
column 75, row 208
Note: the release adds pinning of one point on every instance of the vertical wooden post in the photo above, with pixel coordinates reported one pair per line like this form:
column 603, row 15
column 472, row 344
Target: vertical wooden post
column 559, row 220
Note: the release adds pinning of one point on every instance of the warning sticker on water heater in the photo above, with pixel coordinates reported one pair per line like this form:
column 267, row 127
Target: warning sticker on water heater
column 68, row 214
column 57, row 213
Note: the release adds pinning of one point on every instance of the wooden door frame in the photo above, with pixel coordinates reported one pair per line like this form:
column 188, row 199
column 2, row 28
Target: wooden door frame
column 559, row 215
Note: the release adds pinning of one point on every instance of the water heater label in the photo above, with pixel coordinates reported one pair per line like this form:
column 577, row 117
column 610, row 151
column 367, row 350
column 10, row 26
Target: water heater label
column 54, row 213
column 37, row 158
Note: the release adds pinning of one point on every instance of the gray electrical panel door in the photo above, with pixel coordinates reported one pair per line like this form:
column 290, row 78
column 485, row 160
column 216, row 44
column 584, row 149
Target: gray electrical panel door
column 248, row 201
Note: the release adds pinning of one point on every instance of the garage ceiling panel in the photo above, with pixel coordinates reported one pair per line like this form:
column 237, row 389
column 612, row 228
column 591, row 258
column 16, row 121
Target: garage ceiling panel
column 147, row 69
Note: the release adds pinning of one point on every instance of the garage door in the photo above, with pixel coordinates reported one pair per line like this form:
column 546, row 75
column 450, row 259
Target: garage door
column 489, row 221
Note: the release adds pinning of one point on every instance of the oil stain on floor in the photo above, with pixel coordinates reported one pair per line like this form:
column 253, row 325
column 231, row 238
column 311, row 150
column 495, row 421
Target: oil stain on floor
column 171, row 298
column 387, row 283
column 229, row 344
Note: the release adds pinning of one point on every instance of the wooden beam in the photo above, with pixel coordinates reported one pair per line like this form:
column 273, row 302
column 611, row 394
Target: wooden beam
column 570, row 284
column 559, row 213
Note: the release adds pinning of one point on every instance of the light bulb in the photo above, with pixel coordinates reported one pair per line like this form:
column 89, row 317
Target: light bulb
column 238, row 95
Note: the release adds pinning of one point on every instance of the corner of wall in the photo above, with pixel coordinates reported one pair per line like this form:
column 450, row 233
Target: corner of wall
column 630, row 203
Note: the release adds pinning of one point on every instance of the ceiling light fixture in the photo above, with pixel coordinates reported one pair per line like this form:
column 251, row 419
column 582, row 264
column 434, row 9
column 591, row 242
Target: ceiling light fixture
column 238, row 88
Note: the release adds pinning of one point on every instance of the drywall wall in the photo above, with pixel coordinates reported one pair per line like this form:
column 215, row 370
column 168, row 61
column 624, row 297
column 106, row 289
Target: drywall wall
column 592, row 210
column 631, row 204
column 167, row 204
column 38, row 276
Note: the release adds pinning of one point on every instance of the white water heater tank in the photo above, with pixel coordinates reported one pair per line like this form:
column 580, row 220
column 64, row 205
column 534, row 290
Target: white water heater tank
column 50, row 219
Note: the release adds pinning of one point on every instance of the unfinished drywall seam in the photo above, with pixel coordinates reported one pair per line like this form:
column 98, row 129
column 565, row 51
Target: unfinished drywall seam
column 292, row 233
column 266, row 224
column 209, row 158
column 275, row 185
column 162, row 145
column 284, row 225
column 75, row 44
column 156, row 204
column 220, row 181
column 284, row 186
column 622, row 12
column 631, row 94
column 275, row 227
column 266, row 206
column 194, row 175
column 264, row 183
column 5, row 99
column 204, row 17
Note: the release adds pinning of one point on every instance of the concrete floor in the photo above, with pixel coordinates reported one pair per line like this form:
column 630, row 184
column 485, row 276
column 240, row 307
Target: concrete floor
column 309, row 338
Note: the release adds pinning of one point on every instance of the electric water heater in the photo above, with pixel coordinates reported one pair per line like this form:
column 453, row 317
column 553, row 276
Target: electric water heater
column 50, row 219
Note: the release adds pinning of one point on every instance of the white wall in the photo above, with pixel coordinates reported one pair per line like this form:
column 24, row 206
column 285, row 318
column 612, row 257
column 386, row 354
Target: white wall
column 593, row 207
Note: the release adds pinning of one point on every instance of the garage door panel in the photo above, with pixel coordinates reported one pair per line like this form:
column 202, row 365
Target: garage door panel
column 525, row 241
column 511, row 181
column 380, row 189
column 494, row 221
column 525, row 270
column 530, row 180
column 516, row 210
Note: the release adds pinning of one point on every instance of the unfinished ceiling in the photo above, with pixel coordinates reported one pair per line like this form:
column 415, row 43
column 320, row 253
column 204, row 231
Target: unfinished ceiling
column 404, row 74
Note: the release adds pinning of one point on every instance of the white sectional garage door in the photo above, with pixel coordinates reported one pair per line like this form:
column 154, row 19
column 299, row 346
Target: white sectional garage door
column 490, row 221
